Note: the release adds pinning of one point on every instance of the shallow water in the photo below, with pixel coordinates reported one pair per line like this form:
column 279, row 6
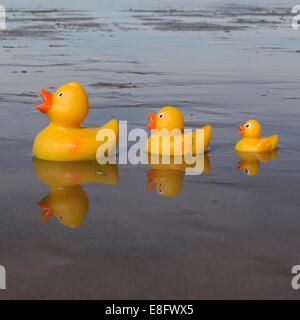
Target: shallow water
column 223, row 234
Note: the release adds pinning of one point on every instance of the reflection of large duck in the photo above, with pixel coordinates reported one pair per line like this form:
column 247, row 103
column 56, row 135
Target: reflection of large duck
column 64, row 139
column 169, row 123
column 67, row 200
column 250, row 163
column 167, row 179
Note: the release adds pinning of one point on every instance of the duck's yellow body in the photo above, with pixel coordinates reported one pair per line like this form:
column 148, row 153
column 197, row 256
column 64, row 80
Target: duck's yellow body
column 252, row 142
column 169, row 139
column 64, row 139
column 56, row 143
column 258, row 145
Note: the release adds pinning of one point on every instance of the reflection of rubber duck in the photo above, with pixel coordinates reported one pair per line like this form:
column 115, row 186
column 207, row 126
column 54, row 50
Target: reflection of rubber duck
column 250, row 165
column 68, row 204
column 167, row 179
column 167, row 182
column 169, row 122
column 67, row 200
column 64, row 139
column 252, row 142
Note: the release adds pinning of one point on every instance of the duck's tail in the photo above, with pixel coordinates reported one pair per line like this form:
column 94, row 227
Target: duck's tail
column 207, row 136
column 112, row 125
column 206, row 133
column 268, row 144
column 274, row 142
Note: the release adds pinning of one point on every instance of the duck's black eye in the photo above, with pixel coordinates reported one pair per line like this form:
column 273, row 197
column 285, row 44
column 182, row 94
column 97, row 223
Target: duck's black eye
column 160, row 188
column 60, row 95
column 246, row 171
column 161, row 115
column 248, row 125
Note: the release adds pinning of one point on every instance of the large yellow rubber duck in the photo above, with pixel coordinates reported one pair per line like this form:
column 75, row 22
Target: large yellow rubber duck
column 67, row 200
column 167, row 179
column 251, row 142
column 64, row 139
column 169, row 122
column 250, row 163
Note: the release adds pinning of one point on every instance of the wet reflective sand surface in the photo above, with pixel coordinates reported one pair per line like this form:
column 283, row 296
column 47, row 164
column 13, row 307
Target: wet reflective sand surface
column 151, row 231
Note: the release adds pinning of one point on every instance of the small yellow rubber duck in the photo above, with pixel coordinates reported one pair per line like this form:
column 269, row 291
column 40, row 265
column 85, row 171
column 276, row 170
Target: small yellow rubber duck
column 67, row 200
column 169, row 122
column 250, row 163
column 252, row 142
column 167, row 179
column 64, row 139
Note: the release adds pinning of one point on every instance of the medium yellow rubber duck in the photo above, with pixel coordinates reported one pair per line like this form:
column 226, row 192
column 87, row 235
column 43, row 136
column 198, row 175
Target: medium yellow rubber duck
column 251, row 142
column 167, row 179
column 250, row 165
column 67, row 200
column 64, row 139
column 169, row 123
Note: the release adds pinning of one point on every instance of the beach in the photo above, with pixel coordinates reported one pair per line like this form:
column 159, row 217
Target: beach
column 224, row 234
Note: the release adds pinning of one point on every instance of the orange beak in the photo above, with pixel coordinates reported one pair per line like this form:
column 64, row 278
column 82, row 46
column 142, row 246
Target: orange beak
column 47, row 211
column 152, row 121
column 240, row 165
column 242, row 130
column 46, row 105
column 151, row 180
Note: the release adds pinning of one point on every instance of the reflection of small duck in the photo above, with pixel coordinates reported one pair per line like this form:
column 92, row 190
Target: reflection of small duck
column 64, row 139
column 167, row 179
column 250, row 165
column 67, row 200
column 169, row 121
column 252, row 142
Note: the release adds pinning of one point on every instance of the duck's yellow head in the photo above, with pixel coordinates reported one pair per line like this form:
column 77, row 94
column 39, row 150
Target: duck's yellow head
column 166, row 118
column 68, row 106
column 250, row 129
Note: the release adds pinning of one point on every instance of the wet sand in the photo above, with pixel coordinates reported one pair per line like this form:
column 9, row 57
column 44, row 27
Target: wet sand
column 222, row 234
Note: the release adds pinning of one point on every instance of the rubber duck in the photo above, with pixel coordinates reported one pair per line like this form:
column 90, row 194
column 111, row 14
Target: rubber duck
column 251, row 141
column 64, row 139
column 169, row 122
column 167, row 179
column 250, row 163
column 67, row 200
